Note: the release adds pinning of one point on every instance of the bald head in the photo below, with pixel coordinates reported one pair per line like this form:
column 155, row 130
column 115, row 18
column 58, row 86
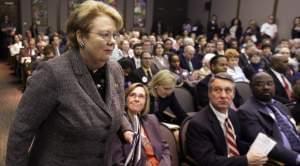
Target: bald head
column 279, row 62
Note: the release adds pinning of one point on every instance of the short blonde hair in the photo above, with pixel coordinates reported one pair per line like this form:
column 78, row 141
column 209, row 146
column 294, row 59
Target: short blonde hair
column 147, row 104
column 163, row 77
column 83, row 15
column 231, row 53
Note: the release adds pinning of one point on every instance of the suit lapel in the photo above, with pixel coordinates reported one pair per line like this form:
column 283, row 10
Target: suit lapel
column 86, row 81
column 218, row 130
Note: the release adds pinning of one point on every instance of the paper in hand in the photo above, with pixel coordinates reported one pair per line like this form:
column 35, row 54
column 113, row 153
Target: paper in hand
column 262, row 144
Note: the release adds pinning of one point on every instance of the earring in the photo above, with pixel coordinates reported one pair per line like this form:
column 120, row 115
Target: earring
column 81, row 44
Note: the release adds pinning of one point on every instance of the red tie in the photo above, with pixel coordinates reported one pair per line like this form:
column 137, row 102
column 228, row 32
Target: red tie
column 286, row 87
column 230, row 139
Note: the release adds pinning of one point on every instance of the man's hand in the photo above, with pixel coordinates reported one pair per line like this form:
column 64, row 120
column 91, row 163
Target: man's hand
column 255, row 159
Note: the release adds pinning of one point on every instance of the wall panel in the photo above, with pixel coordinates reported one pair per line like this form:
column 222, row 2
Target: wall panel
column 287, row 10
column 224, row 9
column 255, row 9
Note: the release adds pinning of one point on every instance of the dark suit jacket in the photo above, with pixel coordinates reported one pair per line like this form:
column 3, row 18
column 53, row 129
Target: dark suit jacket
column 196, row 62
column 205, row 140
column 255, row 119
column 139, row 75
column 280, row 93
column 63, row 112
column 160, row 146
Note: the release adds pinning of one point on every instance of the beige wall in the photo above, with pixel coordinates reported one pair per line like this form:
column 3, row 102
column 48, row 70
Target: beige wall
column 251, row 10
column 58, row 13
column 286, row 12
column 224, row 9
column 256, row 9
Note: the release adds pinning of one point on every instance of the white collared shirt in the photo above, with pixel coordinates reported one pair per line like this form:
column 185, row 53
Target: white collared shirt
column 220, row 116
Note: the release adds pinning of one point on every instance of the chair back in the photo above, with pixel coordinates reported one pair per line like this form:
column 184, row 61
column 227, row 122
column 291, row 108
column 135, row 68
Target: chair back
column 185, row 99
column 244, row 90
column 186, row 160
column 168, row 135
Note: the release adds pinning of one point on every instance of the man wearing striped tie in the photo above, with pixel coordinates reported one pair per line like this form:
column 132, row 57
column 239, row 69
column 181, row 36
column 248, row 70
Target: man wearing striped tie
column 213, row 133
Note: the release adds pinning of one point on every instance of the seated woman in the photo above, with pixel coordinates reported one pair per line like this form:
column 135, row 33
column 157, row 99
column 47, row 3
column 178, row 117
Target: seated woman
column 234, row 70
column 179, row 73
column 162, row 97
column 153, row 149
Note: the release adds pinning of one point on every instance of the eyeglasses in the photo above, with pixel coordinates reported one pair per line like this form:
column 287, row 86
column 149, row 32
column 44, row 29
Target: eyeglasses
column 106, row 35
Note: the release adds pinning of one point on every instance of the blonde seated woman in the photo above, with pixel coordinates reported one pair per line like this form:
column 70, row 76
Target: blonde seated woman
column 148, row 148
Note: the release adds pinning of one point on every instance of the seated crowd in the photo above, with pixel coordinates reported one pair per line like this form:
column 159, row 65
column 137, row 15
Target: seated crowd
column 210, row 67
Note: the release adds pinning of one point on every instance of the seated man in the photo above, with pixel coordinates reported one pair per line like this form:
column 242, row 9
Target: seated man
column 217, row 64
column 146, row 71
column 262, row 113
column 213, row 134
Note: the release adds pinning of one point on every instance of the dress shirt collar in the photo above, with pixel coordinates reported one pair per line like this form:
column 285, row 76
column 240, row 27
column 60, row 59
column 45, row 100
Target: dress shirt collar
column 220, row 116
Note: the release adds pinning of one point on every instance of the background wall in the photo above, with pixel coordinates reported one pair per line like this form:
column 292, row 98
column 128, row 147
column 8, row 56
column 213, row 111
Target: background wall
column 225, row 10
column 256, row 9
column 286, row 11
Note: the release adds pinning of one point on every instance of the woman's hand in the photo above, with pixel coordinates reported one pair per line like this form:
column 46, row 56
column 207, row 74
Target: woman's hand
column 128, row 136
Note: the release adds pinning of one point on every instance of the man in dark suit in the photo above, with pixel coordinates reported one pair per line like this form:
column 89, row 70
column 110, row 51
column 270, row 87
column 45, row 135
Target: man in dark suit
column 261, row 113
column 217, row 64
column 186, row 58
column 278, row 70
column 146, row 71
column 213, row 134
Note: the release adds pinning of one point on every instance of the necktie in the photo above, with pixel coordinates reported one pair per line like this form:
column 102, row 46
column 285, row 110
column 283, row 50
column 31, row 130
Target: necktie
column 287, row 128
column 149, row 74
column 230, row 139
column 286, row 87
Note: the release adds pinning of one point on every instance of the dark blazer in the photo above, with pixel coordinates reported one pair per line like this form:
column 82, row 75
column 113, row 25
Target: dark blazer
column 255, row 119
column 170, row 102
column 160, row 146
column 139, row 75
column 202, row 93
column 205, row 140
column 63, row 112
column 295, row 111
column 196, row 62
column 280, row 93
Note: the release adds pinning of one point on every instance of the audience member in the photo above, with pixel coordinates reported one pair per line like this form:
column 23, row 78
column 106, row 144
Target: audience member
column 278, row 69
column 146, row 71
column 148, row 147
column 69, row 114
column 160, row 60
column 295, row 33
column 263, row 114
column 162, row 97
column 213, row 134
column 234, row 70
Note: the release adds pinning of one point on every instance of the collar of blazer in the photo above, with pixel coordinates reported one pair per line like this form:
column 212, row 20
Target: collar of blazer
column 87, row 83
